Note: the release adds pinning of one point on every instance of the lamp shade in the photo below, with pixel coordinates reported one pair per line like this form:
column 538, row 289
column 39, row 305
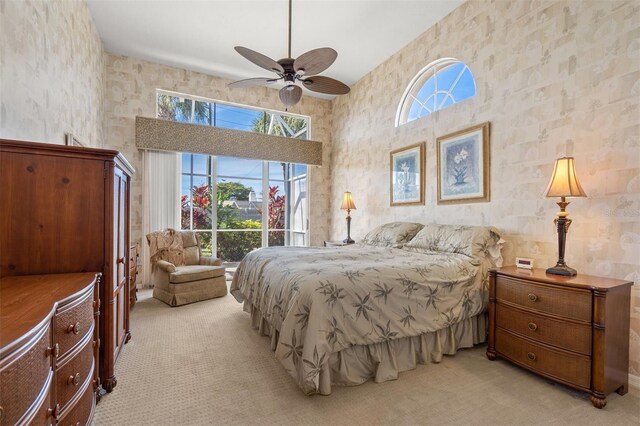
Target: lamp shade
column 347, row 202
column 564, row 182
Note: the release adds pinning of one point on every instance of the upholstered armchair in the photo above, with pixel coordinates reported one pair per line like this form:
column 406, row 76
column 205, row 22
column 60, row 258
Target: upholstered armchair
column 180, row 273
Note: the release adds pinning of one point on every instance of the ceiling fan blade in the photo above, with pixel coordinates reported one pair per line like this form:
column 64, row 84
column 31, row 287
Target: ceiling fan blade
column 315, row 61
column 326, row 85
column 259, row 59
column 251, row 82
column 290, row 95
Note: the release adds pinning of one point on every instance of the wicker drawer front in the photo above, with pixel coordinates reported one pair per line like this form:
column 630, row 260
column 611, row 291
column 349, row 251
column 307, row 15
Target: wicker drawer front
column 73, row 374
column 22, row 379
column 570, row 303
column 566, row 335
column 81, row 412
column 74, row 322
column 43, row 415
column 573, row 369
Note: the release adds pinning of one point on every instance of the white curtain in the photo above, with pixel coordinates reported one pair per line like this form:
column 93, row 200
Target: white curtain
column 161, row 199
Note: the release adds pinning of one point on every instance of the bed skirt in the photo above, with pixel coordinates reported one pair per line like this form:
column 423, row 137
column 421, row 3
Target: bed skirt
column 383, row 361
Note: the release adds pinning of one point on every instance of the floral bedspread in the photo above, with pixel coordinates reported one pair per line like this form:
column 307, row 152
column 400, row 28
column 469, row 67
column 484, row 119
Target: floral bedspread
column 323, row 300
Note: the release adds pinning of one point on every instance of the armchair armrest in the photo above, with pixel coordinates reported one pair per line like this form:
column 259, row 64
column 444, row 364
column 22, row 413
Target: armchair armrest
column 166, row 266
column 210, row 261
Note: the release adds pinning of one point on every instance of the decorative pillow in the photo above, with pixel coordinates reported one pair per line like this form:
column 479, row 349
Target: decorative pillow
column 472, row 241
column 394, row 234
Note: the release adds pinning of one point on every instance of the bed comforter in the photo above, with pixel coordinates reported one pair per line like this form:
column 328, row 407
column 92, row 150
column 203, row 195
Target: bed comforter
column 323, row 300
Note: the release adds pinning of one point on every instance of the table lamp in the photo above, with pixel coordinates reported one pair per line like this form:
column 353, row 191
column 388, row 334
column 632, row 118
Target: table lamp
column 564, row 183
column 348, row 205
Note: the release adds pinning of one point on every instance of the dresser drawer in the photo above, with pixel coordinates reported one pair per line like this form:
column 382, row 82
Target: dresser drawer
column 563, row 334
column 81, row 412
column 26, row 373
column 570, row 368
column 44, row 414
column 562, row 301
column 74, row 373
column 73, row 322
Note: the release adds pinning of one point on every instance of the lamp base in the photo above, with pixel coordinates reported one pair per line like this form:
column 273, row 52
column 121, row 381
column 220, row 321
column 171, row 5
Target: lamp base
column 562, row 270
column 348, row 241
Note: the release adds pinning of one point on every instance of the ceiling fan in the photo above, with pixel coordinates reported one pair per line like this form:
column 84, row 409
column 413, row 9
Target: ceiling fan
column 289, row 70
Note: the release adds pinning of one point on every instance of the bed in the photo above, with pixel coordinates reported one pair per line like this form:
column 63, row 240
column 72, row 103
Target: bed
column 407, row 294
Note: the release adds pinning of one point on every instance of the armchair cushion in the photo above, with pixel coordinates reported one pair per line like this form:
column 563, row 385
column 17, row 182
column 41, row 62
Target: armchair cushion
column 210, row 260
column 189, row 239
column 188, row 273
column 166, row 266
column 191, row 255
column 191, row 244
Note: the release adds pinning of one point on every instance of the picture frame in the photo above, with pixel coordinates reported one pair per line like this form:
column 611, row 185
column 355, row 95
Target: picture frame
column 72, row 140
column 464, row 165
column 407, row 175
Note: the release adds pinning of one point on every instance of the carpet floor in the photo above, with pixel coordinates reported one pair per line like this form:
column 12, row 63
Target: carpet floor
column 202, row 364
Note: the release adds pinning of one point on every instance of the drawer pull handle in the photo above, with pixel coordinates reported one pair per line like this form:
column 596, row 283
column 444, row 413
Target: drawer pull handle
column 53, row 412
column 532, row 297
column 1, row 413
column 531, row 356
column 74, row 380
column 74, row 328
column 55, row 350
column 532, row 326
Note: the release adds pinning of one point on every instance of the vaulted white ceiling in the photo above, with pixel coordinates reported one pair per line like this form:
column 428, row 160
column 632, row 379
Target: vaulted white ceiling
column 200, row 35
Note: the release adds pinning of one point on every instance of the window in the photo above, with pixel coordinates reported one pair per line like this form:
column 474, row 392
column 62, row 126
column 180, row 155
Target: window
column 239, row 204
column 439, row 85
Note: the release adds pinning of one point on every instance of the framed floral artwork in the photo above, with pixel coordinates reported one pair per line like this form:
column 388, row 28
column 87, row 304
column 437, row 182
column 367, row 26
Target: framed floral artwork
column 407, row 175
column 464, row 166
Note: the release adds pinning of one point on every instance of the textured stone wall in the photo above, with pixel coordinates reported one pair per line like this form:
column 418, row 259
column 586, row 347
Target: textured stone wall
column 51, row 72
column 554, row 79
column 131, row 91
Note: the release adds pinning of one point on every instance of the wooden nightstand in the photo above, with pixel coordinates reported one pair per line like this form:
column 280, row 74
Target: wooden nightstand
column 336, row 244
column 573, row 330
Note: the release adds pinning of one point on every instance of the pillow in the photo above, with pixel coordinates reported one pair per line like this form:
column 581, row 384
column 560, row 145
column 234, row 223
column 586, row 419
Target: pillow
column 394, row 234
column 472, row 241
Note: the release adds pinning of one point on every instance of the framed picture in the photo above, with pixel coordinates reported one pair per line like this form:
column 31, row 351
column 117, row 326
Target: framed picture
column 72, row 140
column 463, row 166
column 407, row 175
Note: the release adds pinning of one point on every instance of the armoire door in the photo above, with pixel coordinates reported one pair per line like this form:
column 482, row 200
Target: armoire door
column 120, row 247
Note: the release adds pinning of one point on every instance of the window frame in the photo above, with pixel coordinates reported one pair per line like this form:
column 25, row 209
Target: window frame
column 407, row 99
column 212, row 166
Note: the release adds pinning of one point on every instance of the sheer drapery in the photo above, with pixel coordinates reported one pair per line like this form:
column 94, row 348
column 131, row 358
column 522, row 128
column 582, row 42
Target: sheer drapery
column 161, row 198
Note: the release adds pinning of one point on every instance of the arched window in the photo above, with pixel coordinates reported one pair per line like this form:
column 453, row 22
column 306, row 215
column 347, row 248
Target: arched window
column 439, row 85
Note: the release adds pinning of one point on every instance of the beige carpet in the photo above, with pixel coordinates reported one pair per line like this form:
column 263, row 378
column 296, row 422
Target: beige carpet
column 202, row 364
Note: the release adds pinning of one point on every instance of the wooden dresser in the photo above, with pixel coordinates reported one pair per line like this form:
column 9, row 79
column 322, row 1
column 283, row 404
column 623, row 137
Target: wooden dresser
column 133, row 275
column 66, row 209
column 573, row 330
column 48, row 348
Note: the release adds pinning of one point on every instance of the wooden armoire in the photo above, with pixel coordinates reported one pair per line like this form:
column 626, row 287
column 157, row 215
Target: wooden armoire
column 66, row 209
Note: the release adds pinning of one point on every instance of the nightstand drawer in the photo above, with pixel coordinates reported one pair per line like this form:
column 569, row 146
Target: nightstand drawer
column 570, row 303
column 570, row 368
column 563, row 334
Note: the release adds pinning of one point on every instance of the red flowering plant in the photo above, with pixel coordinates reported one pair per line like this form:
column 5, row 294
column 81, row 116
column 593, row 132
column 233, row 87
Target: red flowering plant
column 276, row 216
column 201, row 201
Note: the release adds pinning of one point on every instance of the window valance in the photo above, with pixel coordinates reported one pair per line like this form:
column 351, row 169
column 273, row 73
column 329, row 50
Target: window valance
column 165, row 135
